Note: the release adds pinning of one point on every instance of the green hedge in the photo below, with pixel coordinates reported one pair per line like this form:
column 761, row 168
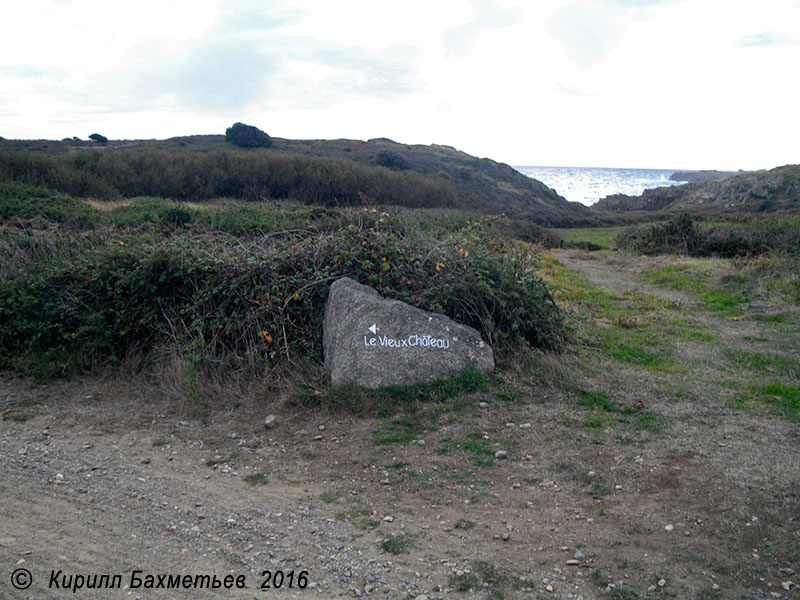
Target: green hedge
column 206, row 285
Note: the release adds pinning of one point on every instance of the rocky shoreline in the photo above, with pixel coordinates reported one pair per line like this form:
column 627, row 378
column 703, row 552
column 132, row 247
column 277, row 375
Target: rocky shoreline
column 752, row 191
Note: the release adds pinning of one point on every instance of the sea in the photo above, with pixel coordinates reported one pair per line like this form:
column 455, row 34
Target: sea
column 587, row 185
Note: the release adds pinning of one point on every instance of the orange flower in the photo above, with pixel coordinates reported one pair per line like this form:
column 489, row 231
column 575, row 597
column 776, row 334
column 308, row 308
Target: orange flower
column 267, row 337
column 463, row 252
column 439, row 266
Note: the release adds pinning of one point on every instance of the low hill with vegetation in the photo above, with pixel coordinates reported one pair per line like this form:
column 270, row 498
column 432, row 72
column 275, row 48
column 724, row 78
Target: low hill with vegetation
column 755, row 191
column 327, row 172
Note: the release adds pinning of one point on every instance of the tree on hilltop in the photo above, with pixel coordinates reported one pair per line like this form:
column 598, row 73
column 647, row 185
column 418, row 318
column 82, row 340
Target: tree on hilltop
column 247, row 136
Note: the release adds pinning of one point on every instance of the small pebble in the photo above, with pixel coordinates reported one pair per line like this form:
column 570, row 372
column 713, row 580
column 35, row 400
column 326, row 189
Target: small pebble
column 483, row 405
column 388, row 518
column 500, row 454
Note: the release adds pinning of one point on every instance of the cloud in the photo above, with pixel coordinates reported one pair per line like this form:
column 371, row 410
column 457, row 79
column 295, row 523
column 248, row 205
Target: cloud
column 487, row 16
column 587, row 31
column 209, row 75
column 637, row 3
column 258, row 16
column 25, row 71
column 763, row 39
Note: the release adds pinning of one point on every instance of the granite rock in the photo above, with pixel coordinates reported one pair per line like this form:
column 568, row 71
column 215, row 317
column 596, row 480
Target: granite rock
column 374, row 342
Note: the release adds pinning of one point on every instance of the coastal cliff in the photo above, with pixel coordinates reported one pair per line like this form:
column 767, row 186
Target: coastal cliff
column 752, row 191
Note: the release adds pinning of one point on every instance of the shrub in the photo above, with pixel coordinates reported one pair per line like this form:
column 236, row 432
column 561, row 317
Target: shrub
column 728, row 239
column 392, row 160
column 678, row 235
column 198, row 175
column 247, row 136
column 28, row 202
column 257, row 299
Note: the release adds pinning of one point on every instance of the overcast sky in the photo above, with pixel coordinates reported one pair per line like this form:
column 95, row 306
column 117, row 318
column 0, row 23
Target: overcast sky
column 618, row 83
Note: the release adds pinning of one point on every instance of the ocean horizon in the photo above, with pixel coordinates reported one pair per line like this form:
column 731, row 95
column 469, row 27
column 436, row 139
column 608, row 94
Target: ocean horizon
column 587, row 185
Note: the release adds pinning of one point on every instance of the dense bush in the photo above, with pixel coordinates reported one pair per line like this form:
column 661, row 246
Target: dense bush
column 247, row 136
column 678, row 235
column 167, row 276
column 198, row 175
column 392, row 160
column 724, row 239
column 24, row 202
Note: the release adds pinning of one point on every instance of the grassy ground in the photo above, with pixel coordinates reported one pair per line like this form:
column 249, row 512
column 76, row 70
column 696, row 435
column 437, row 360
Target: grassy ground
column 604, row 237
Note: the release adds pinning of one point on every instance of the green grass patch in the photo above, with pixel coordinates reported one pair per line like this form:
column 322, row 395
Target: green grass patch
column 257, row 479
column 779, row 397
column 636, row 354
column 397, row 465
column 648, row 422
column 477, row 447
column 465, row 582
column 397, row 544
column 28, row 202
column 445, row 444
column 607, row 413
column 768, row 363
column 221, row 460
column 330, row 497
column 640, row 325
column 448, row 395
column 602, row 237
column 599, row 491
column 685, row 278
column 361, row 518
column 483, row 575
column 399, row 430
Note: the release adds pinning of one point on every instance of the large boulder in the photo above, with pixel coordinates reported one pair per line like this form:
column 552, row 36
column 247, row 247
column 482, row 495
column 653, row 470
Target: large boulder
column 374, row 342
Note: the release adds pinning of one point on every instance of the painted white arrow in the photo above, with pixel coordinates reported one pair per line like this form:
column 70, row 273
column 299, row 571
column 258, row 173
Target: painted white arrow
column 374, row 328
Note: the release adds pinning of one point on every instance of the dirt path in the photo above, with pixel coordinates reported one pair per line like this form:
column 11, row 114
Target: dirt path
column 111, row 475
column 619, row 279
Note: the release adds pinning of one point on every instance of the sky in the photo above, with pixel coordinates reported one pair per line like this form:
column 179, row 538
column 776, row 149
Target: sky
column 683, row 84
